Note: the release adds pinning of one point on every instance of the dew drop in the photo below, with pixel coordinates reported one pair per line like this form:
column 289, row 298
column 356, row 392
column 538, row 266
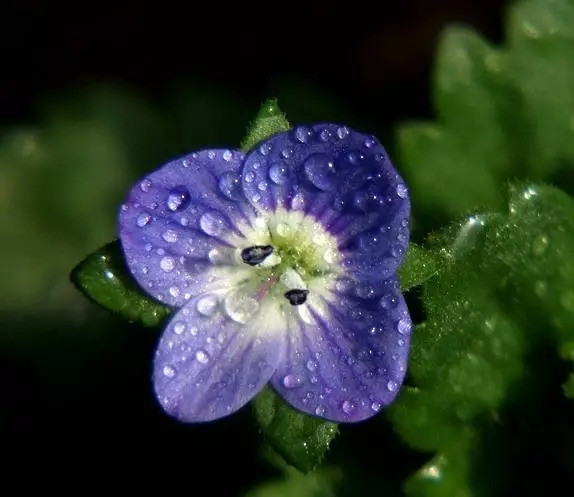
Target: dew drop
column 143, row 220
column 212, row 223
column 320, row 410
column 291, row 381
column 404, row 327
column 206, row 305
column 539, row 245
column 402, row 191
column 348, row 407
column 179, row 328
column 392, row 386
column 174, row 291
column 230, row 186
column 298, row 202
column 369, row 142
column 320, row 171
column 325, row 134
column 278, row 173
column 169, row 236
column 178, row 198
column 376, row 406
column 311, row 365
column 343, row 132
column 265, row 148
column 240, row 307
column 169, row 371
column 303, row 134
column 262, row 186
column 145, row 185
column 287, row 152
column 167, row 263
column 249, row 177
column 202, row 356
column 227, row 155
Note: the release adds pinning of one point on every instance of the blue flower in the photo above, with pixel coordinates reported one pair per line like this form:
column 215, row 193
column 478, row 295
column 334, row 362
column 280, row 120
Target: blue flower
column 281, row 265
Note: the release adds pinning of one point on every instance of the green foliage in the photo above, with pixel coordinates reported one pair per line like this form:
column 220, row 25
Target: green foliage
column 104, row 278
column 502, row 112
column 302, row 440
column 269, row 121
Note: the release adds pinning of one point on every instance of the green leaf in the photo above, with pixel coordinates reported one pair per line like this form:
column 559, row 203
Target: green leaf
column 320, row 483
column 269, row 121
column 300, row 439
column 103, row 278
column 419, row 265
column 504, row 295
column 501, row 112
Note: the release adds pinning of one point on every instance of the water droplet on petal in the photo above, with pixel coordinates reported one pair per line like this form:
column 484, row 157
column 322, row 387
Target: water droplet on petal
column 376, row 406
column 287, row 152
column 145, row 185
column 402, row 191
column 202, row 356
column 167, row 264
column 179, row 328
column 292, row 381
column 169, row 371
column 343, row 132
column 392, row 386
column 227, row 155
column 311, row 365
column 177, row 199
column 143, row 220
column 298, row 202
column 370, row 142
column 174, row 291
column 265, row 148
column 320, row 171
column 230, row 186
column 262, row 186
column 169, row 236
column 278, row 173
column 206, row 305
column 404, row 327
column 348, row 407
column 303, row 133
column 240, row 307
column 282, row 229
column 212, row 223
column 249, row 177
column 320, row 410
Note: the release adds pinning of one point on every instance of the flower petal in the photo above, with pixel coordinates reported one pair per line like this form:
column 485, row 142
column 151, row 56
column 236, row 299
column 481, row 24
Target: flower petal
column 211, row 359
column 347, row 357
column 180, row 222
column 345, row 180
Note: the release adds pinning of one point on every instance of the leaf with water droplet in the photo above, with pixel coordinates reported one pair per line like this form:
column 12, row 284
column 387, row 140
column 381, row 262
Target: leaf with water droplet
column 269, row 121
column 300, row 439
column 104, row 278
column 419, row 265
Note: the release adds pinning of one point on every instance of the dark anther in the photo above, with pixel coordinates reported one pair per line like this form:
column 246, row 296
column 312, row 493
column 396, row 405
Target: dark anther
column 296, row 297
column 256, row 254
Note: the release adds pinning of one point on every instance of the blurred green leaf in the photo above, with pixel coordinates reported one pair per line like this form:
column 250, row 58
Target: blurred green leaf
column 504, row 293
column 302, row 440
column 269, row 121
column 419, row 265
column 502, row 113
column 320, row 483
column 103, row 278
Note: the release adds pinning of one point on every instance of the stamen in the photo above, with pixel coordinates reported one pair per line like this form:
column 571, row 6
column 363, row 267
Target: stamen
column 256, row 254
column 296, row 296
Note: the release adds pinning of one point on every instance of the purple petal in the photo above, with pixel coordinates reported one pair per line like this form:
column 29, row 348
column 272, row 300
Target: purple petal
column 209, row 364
column 349, row 359
column 180, row 219
column 346, row 181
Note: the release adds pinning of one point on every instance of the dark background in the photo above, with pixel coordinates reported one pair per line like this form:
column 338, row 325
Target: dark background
column 76, row 399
